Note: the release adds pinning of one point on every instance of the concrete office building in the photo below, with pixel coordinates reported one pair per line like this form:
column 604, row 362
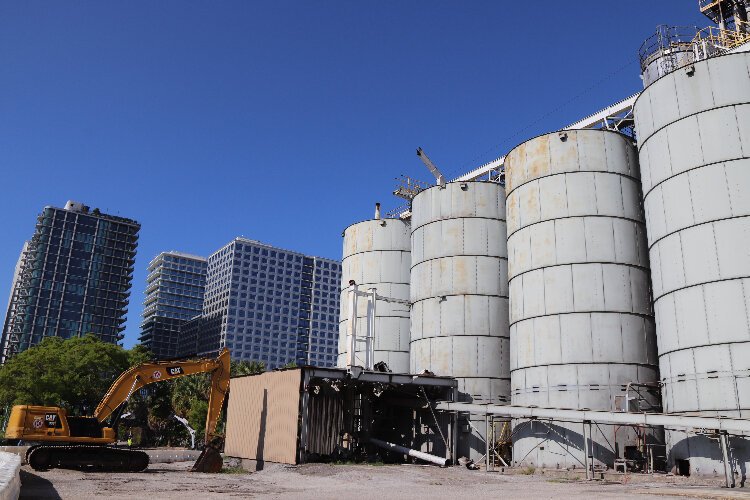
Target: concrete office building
column 267, row 304
column 73, row 278
column 174, row 294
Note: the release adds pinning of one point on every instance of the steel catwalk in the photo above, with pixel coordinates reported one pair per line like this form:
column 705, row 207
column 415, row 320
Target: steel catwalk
column 377, row 255
column 581, row 325
column 459, row 295
column 693, row 127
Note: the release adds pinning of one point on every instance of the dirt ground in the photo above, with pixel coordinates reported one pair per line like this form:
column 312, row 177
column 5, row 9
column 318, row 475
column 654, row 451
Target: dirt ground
column 361, row 482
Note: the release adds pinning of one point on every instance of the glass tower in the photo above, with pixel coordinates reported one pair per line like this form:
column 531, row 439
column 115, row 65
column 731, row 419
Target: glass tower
column 268, row 304
column 73, row 278
column 174, row 294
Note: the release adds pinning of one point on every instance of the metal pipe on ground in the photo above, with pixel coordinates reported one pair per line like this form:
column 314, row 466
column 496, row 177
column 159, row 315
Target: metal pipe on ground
column 408, row 451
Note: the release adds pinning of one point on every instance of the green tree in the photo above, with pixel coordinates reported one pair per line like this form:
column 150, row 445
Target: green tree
column 190, row 394
column 73, row 374
column 76, row 373
column 240, row 368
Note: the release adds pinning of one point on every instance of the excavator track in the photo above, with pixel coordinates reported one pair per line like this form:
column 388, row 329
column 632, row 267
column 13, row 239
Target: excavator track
column 90, row 458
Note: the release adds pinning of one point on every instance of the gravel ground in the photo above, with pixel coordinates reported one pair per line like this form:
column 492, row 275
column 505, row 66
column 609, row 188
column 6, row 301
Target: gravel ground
column 362, row 482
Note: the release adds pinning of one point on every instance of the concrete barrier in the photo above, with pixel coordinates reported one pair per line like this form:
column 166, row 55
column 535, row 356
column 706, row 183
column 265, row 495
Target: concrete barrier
column 168, row 456
column 10, row 479
column 20, row 451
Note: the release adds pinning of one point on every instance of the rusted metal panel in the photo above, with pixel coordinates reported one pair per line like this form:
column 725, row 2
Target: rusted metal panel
column 262, row 417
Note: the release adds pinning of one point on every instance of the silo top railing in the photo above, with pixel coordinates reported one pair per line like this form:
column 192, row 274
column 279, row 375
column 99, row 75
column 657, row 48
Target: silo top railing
column 667, row 41
column 670, row 41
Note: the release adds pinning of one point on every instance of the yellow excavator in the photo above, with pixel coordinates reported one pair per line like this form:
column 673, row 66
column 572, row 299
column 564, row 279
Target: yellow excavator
column 64, row 441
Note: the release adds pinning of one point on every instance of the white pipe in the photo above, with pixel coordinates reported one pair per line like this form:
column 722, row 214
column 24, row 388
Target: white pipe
column 190, row 430
column 731, row 425
column 408, row 451
column 371, row 335
column 353, row 325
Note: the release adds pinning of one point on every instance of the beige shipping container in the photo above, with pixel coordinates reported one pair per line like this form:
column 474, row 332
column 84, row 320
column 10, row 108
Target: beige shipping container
column 263, row 416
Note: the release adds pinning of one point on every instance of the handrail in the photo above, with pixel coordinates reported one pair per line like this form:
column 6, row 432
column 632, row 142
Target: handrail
column 722, row 38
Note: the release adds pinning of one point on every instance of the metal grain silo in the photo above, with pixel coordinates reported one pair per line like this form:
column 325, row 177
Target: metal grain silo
column 581, row 325
column 459, row 294
column 693, row 129
column 377, row 255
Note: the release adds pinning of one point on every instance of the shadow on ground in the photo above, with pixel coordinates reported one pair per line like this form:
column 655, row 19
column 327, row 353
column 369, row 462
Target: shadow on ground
column 33, row 486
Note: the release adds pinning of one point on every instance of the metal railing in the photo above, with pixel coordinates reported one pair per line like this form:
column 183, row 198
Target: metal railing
column 712, row 41
column 666, row 42
column 677, row 46
column 705, row 5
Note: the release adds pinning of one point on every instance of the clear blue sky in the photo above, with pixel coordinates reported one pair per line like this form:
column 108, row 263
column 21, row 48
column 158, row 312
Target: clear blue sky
column 284, row 121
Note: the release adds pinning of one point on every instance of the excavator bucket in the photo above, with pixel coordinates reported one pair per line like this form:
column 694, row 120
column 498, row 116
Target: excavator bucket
column 210, row 459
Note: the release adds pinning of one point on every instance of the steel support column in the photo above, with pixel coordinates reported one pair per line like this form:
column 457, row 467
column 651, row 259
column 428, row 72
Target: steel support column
column 728, row 472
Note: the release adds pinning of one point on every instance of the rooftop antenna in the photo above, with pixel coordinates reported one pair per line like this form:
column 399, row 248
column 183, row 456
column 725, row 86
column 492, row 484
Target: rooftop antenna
column 431, row 166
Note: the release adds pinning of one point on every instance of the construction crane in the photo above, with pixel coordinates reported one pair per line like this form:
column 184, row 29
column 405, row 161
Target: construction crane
column 70, row 442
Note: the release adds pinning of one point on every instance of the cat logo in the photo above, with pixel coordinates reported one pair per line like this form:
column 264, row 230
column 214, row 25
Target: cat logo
column 51, row 419
column 175, row 370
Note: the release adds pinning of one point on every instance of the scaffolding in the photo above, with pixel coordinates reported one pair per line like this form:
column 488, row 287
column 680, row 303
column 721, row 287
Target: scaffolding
column 728, row 14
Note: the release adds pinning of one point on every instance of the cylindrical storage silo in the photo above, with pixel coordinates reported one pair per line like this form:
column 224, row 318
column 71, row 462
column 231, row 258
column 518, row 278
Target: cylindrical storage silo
column 459, row 294
column 377, row 255
column 581, row 325
column 693, row 129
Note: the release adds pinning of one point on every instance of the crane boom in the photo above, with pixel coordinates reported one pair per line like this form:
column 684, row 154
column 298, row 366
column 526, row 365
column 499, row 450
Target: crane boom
column 431, row 166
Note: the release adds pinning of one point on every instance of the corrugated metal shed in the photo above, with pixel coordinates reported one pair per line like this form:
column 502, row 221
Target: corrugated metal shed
column 262, row 417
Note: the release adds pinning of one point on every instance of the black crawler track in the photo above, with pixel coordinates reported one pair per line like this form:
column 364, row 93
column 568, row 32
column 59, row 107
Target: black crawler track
column 89, row 458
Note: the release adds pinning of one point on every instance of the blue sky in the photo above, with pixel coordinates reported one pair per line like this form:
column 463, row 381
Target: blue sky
column 284, row 121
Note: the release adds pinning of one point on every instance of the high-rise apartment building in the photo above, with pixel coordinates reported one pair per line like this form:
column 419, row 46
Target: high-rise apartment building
column 74, row 278
column 174, row 294
column 268, row 304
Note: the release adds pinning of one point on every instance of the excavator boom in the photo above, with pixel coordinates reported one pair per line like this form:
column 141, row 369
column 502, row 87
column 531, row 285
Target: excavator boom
column 81, row 442
column 159, row 371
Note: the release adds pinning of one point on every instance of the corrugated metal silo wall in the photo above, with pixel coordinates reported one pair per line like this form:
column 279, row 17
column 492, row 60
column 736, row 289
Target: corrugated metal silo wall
column 377, row 254
column 693, row 128
column 581, row 324
column 459, row 294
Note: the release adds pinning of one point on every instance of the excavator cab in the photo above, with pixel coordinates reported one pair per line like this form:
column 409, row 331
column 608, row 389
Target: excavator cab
column 50, row 423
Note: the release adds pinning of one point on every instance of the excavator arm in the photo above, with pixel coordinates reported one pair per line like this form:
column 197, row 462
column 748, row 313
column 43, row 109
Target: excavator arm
column 159, row 371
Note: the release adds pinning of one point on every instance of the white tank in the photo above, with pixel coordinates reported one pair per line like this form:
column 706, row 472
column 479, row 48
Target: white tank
column 377, row 255
column 459, row 294
column 693, row 129
column 581, row 325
